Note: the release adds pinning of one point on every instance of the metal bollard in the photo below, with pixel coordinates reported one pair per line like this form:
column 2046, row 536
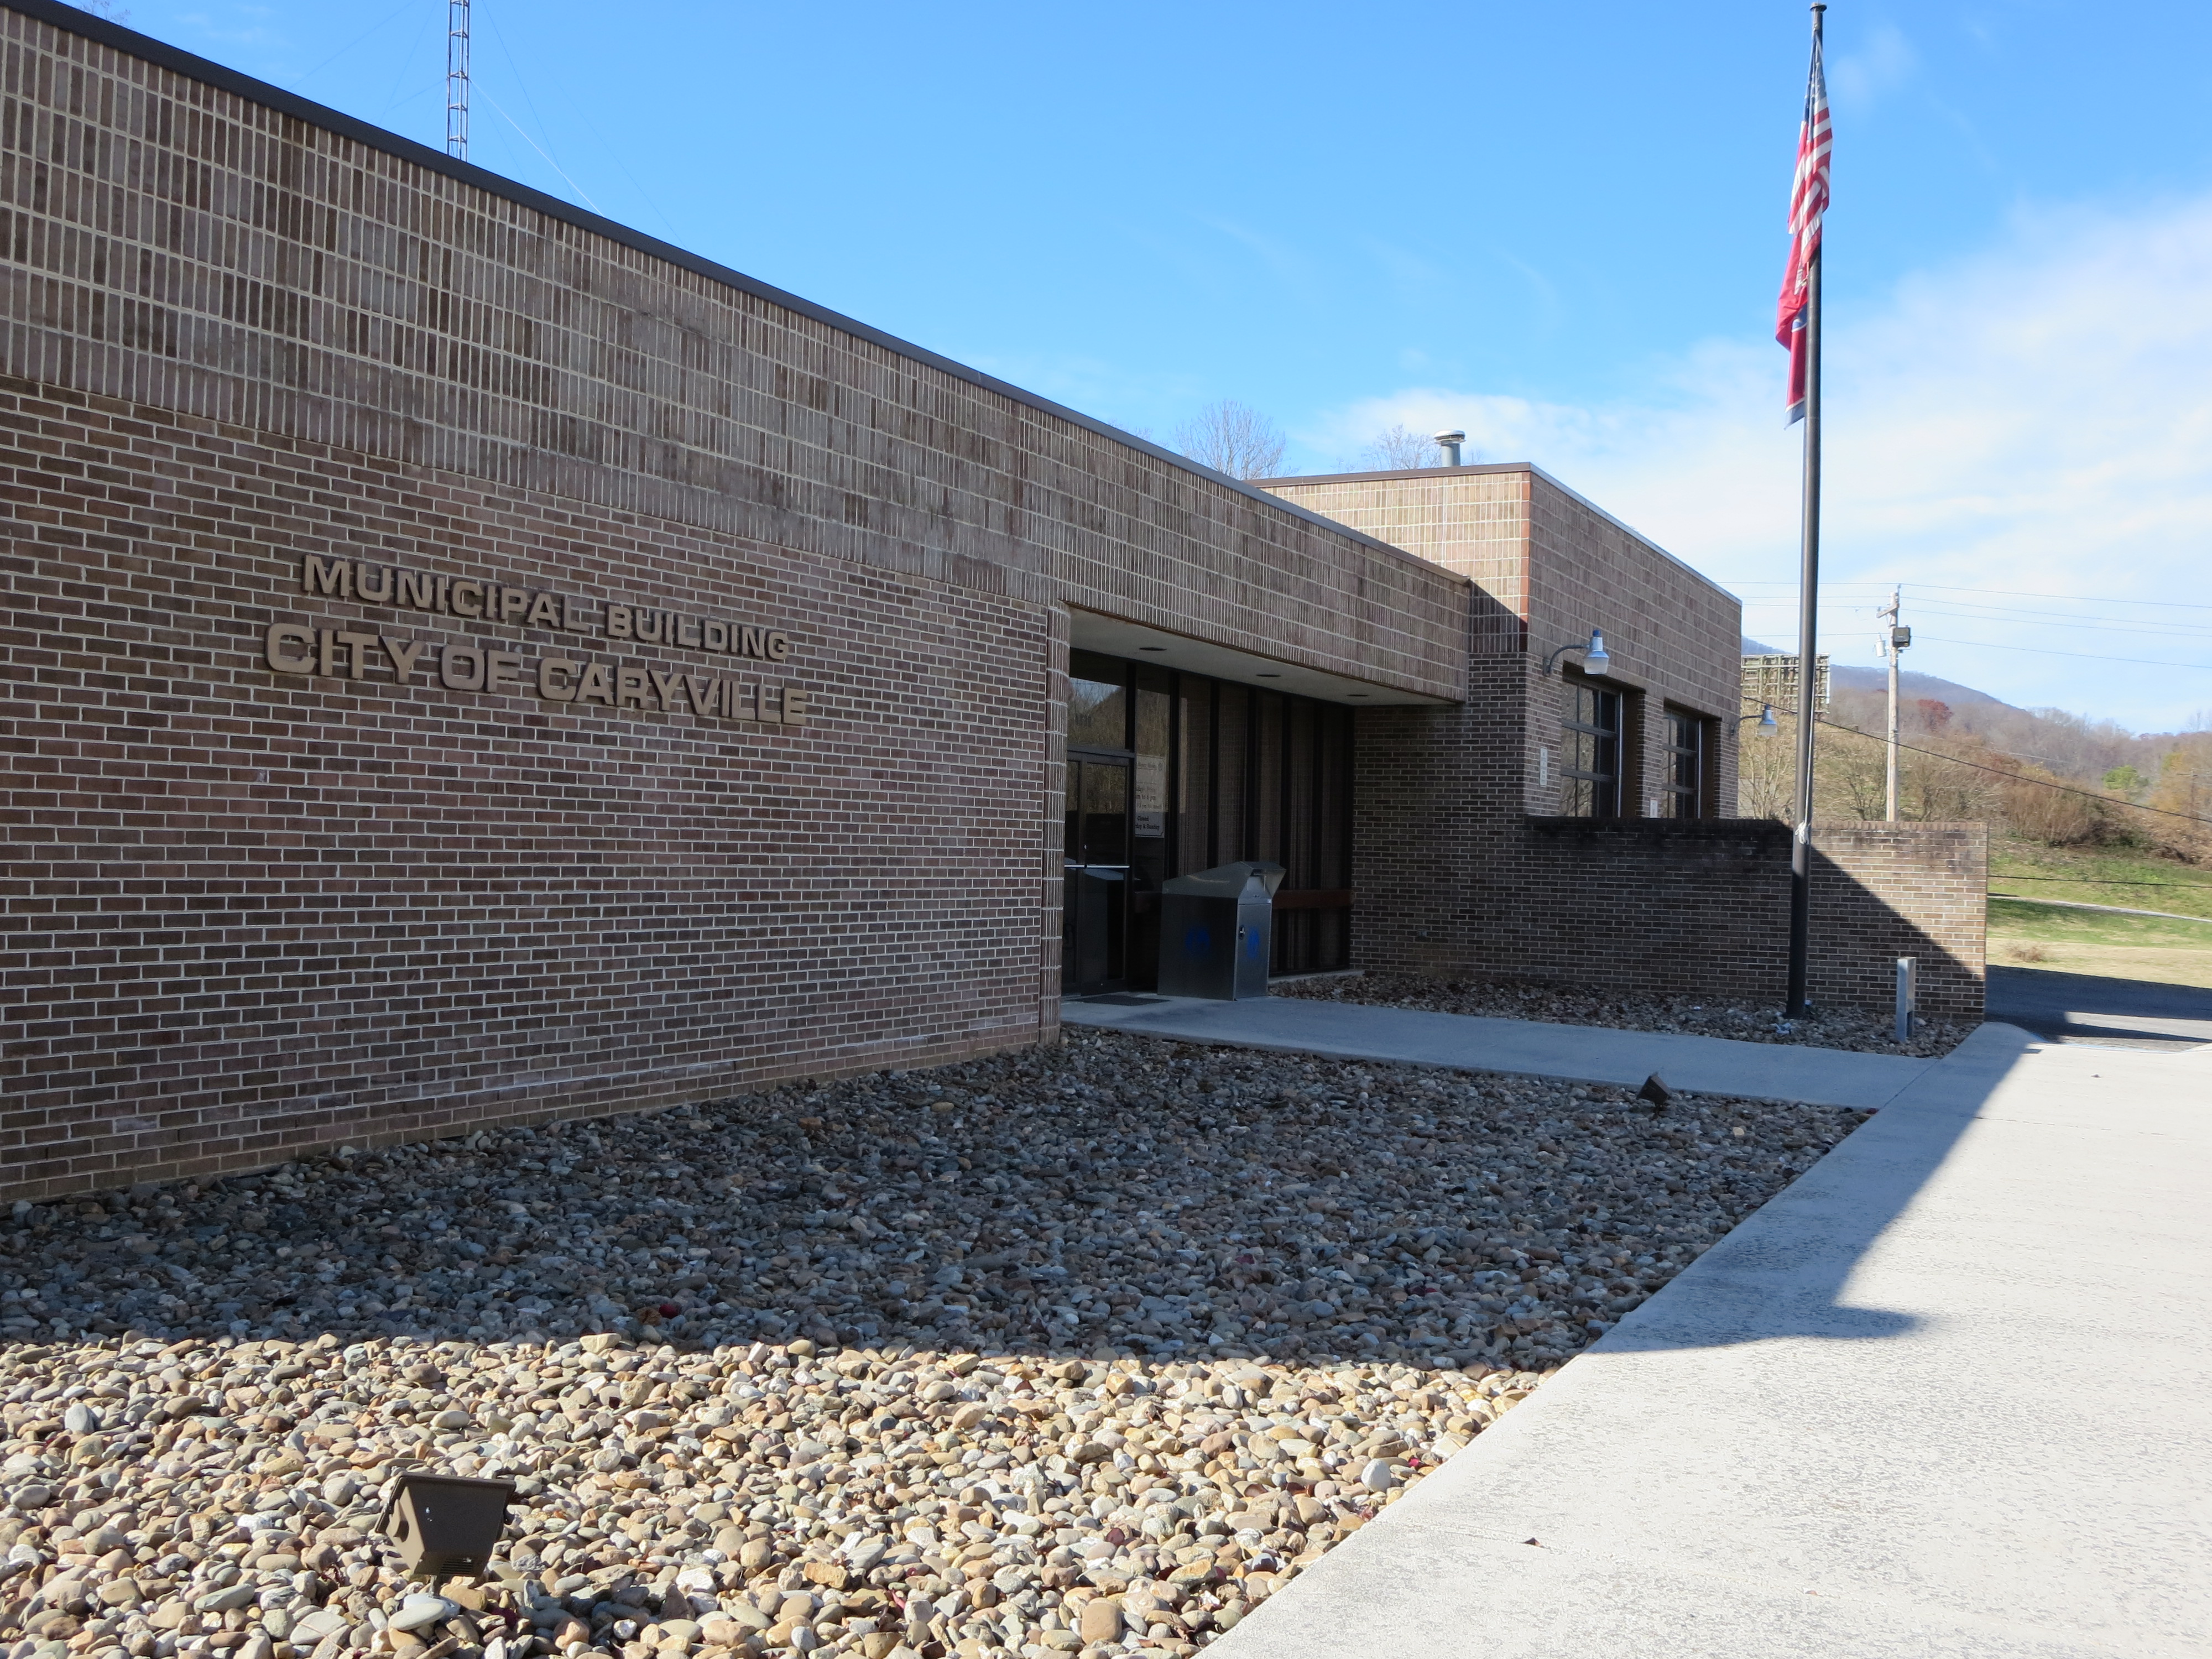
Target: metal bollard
column 1908, row 996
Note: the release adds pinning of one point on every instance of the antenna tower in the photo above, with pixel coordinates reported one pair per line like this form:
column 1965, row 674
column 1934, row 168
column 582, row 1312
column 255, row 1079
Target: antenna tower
column 456, row 79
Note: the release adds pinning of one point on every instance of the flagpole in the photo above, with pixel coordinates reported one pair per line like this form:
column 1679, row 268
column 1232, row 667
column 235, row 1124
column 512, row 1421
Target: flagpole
column 1808, row 661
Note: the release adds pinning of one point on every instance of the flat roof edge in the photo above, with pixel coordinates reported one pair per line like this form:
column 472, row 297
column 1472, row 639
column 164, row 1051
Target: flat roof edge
column 56, row 14
column 1534, row 471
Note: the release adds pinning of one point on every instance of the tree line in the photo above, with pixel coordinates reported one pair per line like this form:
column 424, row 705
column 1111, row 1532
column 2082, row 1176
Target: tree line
column 2042, row 774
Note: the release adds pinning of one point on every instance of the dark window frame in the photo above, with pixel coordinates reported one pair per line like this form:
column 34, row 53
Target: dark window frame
column 1592, row 790
column 1687, row 791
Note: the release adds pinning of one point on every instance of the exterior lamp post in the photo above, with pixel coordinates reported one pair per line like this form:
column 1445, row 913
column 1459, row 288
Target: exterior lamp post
column 1594, row 660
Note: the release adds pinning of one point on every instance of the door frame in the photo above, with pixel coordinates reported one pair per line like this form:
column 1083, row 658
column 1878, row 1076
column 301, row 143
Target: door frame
column 1071, row 948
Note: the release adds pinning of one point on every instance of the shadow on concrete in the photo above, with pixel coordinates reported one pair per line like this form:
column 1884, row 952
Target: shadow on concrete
column 2130, row 1013
column 1785, row 1272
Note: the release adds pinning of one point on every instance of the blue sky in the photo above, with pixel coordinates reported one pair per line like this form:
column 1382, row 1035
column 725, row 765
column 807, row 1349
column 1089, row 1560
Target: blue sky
column 1558, row 227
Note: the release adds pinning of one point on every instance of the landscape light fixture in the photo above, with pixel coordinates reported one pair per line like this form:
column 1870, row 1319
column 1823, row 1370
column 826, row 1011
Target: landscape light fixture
column 1449, row 443
column 1594, row 660
column 446, row 1526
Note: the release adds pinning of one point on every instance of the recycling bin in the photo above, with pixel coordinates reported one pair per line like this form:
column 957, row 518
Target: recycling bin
column 1217, row 931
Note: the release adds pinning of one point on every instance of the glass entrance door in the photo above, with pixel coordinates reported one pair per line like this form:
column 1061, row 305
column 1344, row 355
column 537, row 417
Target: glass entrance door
column 1094, row 935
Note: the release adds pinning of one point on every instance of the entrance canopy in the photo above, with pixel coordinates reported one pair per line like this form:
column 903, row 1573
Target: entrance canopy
column 1112, row 637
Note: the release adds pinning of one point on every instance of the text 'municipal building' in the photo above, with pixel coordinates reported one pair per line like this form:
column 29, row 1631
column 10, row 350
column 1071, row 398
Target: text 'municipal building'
column 466, row 662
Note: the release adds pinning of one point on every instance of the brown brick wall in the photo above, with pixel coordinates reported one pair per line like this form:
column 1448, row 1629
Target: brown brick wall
column 179, row 238
column 1885, row 890
column 250, row 912
column 1547, row 566
column 1451, row 878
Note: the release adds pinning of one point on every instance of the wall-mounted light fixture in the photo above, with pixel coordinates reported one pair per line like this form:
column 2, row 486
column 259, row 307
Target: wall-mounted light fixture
column 1768, row 726
column 1594, row 660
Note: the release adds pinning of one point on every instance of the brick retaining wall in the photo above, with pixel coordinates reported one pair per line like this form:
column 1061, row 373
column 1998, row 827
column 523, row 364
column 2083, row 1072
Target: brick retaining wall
column 1449, row 884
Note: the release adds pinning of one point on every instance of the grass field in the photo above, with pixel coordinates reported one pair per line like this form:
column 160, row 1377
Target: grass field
column 2028, row 935
column 2098, row 876
column 2090, row 942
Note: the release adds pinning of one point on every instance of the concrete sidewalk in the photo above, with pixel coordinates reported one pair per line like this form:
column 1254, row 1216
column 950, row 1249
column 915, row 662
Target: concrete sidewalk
column 1948, row 1394
column 1580, row 1054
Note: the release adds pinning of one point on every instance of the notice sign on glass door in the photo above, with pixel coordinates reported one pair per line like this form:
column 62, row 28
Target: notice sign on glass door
column 1152, row 781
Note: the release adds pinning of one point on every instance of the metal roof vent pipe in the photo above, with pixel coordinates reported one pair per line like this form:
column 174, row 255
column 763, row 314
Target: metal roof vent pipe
column 1449, row 443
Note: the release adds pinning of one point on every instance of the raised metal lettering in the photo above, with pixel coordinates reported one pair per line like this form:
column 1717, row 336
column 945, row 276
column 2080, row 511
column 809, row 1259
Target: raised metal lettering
column 281, row 635
column 403, row 656
column 557, row 679
column 461, row 667
column 596, row 686
column 326, row 576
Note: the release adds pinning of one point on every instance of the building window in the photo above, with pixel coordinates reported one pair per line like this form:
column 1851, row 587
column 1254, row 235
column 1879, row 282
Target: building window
column 1589, row 754
column 1686, row 767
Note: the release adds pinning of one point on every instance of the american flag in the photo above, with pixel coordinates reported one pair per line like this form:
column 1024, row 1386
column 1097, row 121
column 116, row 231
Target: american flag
column 1809, row 200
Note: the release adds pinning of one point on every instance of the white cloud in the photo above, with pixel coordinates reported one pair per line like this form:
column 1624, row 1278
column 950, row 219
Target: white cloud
column 1886, row 63
column 2036, row 419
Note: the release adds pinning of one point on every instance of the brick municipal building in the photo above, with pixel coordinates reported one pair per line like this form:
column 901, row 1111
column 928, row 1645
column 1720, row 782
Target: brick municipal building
column 468, row 663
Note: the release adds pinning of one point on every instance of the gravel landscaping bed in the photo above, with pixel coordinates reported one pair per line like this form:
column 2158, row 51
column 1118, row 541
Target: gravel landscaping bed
column 1824, row 1027
column 1083, row 1350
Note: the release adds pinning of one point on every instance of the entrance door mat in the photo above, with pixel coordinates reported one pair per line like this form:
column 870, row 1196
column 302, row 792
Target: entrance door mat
column 1124, row 998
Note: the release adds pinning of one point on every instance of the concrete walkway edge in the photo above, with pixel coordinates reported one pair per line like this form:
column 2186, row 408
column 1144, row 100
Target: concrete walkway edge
column 1521, row 1047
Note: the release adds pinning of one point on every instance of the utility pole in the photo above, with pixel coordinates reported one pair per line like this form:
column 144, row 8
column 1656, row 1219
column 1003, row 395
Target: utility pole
column 1894, row 638
column 456, row 79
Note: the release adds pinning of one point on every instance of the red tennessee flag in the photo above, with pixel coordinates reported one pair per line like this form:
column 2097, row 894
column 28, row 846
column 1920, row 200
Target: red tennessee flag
column 1809, row 200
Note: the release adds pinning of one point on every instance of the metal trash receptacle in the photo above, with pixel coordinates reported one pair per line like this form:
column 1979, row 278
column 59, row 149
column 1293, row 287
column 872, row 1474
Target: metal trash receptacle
column 1217, row 931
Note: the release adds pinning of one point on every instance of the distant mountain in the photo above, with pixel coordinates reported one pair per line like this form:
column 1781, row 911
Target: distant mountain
column 1843, row 677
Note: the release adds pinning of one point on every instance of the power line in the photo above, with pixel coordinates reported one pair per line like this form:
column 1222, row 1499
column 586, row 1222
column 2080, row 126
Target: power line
column 303, row 79
column 1879, row 587
column 2017, row 777
column 2049, row 651
column 2015, row 618
column 2089, row 656
column 540, row 149
column 2078, row 599
column 2099, row 881
column 500, row 36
